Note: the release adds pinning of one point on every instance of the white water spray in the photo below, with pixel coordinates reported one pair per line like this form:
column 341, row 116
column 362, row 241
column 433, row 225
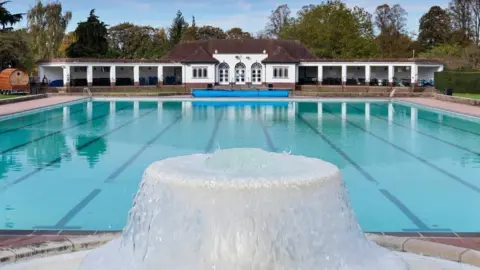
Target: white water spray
column 242, row 209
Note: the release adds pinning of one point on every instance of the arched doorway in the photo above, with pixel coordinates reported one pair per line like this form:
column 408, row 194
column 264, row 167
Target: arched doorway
column 223, row 69
column 240, row 73
column 256, row 73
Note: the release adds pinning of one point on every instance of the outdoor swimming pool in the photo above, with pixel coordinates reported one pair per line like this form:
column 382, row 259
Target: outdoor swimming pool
column 407, row 169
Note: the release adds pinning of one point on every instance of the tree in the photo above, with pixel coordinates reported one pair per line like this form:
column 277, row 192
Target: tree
column 475, row 27
column 393, row 38
column 46, row 27
column 278, row 19
column 7, row 18
column 435, row 28
column 237, row 33
column 332, row 30
column 191, row 33
column 68, row 39
column 91, row 38
column 460, row 14
column 15, row 50
column 208, row 32
column 127, row 40
column 175, row 32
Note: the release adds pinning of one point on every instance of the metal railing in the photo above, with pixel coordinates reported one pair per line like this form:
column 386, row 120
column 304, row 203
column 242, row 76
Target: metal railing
column 87, row 91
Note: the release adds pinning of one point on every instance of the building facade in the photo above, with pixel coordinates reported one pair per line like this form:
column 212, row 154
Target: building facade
column 237, row 64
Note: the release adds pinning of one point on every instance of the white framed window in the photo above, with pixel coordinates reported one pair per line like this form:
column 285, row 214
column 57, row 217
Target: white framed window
column 200, row 73
column 223, row 73
column 240, row 73
column 256, row 73
column 280, row 72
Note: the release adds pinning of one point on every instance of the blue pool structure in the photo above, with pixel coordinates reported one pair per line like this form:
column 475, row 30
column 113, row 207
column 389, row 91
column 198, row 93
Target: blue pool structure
column 254, row 93
column 407, row 168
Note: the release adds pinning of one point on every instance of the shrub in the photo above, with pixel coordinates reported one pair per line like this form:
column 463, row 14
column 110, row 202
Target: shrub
column 460, row 82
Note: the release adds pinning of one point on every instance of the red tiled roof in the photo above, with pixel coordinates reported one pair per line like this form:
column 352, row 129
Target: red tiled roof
column 199, row 56
column 367, row 60
column 278, row 50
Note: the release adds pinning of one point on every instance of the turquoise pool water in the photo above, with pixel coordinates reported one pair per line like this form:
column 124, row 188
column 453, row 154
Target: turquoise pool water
column 78, row 167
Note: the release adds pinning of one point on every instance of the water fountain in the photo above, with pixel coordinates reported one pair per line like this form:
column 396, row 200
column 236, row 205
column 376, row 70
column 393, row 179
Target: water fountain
column 242, row 209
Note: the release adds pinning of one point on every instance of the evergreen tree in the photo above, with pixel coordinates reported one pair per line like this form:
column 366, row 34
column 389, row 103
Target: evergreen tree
column 91, row 38
column 435, row 28
column 175, row 33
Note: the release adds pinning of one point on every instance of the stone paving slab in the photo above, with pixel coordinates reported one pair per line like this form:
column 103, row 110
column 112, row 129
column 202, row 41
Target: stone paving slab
column 9, row 109
column 445, row 105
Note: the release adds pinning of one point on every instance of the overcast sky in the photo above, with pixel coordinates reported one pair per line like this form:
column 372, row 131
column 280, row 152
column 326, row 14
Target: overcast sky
column 251, row 15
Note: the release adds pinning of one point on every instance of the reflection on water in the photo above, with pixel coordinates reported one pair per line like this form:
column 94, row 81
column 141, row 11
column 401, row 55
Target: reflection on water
column 93, row 153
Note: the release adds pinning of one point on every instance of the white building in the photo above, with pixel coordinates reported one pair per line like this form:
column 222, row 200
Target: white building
column 237, row 64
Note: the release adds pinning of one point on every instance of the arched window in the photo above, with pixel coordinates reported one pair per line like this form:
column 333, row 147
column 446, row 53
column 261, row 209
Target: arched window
column 240, row 73
column 223, row 72
column 256, row 73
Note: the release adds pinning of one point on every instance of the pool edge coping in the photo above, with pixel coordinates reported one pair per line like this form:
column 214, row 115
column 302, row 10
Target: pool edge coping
column 447, row 112
column 42, row 109
column 401, row 244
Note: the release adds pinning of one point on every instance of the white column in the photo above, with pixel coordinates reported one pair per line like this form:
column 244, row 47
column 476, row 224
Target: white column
column 66, row 76
column 184, row 75
column 89, row 110
column 368, row 72
column 66, row 115
column 344, row 110
column 296, row 73
column 320, row 110
column 440, row 68
column 136, row 108
column 391, row 73
column 344, row 73
column 136, row 74
column 390, row 113
column 41, row 73
column 413, row 117
column 89, row 75
column 367, row 111
column 160, row 74
column 113, row 74
column 320, row 74
column 414, row 73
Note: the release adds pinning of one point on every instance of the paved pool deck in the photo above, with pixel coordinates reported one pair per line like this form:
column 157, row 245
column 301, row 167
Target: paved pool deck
column 23, row 106
column 445, row 105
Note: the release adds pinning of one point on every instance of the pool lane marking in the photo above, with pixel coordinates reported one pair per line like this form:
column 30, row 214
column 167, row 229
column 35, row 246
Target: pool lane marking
column 416, row 220
column 118, row 171
column 270, row 144
column 436, row 122
column 62, row 223
column 43, row 121
column 39, row 169
column 423, row 133
column 367, row 176
column 424, row 161
column 56, row 132
column 209, row 146
column 422, row 227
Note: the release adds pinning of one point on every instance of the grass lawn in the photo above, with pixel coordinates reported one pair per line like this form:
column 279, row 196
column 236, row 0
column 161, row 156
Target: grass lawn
column 474, row 96
column 9, row 96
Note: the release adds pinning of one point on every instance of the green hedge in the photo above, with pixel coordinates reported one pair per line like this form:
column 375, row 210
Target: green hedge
column 460, row 82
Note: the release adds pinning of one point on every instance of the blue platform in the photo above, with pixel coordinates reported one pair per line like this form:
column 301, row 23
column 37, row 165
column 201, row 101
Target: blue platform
column 239, row 93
